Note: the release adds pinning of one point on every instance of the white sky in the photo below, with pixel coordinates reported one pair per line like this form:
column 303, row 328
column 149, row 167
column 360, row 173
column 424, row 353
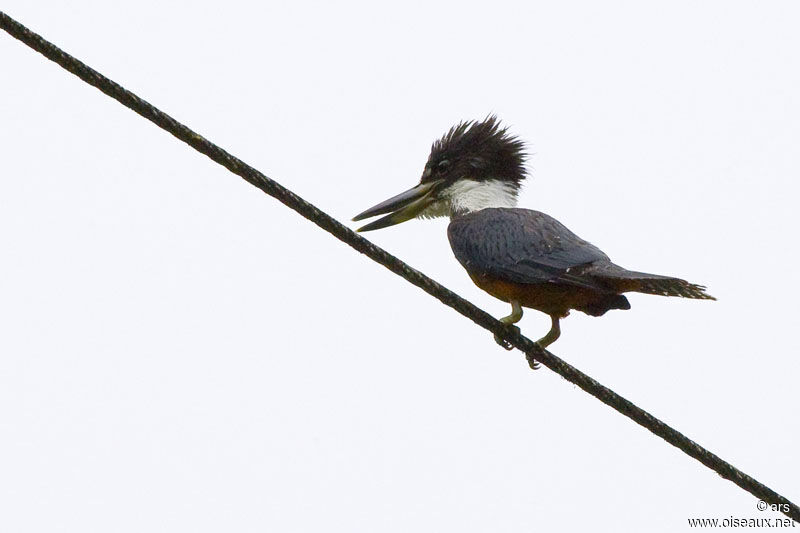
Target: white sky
column 180, row 352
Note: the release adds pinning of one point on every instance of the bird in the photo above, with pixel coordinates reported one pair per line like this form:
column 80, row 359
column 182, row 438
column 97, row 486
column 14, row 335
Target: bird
column 526, row 258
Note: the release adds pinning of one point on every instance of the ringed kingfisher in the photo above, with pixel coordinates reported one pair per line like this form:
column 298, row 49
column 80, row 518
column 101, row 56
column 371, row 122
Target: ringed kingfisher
column 526, row 258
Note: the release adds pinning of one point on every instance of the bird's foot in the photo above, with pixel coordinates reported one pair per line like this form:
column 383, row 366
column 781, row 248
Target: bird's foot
column 504, row 343
column 533, row 363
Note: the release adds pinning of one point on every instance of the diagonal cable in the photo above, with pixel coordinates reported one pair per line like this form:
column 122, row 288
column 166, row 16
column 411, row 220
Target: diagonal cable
column 532, row 351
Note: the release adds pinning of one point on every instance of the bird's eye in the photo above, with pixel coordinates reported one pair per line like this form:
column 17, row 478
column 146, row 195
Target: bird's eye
column 442, row 166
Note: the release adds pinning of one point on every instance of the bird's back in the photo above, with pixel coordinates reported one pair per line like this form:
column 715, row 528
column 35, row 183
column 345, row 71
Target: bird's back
column 514, row 250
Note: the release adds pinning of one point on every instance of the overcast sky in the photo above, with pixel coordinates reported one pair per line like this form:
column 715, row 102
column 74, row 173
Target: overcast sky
column 180, row 352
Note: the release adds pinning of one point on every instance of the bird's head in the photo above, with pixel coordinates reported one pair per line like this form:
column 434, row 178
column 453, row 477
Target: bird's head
column 473, row 166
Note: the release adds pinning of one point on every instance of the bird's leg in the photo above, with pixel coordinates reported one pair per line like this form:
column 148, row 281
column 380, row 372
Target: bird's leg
column 552, row 335
column 513, row 318
column 547, row 340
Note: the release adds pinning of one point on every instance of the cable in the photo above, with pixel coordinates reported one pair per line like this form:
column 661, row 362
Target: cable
column 532, row 351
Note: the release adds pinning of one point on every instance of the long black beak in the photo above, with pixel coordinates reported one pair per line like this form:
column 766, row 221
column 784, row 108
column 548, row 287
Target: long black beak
column 402, row 207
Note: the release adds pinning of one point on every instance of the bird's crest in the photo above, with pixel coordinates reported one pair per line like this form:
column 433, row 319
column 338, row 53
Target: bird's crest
column 486, row 148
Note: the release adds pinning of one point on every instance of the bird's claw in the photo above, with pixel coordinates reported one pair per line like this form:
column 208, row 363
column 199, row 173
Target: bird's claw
column 533, row 363
column 504, row 343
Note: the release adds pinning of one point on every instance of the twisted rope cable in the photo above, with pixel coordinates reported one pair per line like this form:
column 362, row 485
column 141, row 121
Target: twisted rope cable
column 532, row 351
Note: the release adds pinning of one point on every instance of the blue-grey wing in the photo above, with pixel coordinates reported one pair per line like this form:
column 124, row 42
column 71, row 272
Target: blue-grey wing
column 523, row 246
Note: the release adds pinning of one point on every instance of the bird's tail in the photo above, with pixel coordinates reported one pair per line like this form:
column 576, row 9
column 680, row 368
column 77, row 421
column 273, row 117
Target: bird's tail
column 629, row 281
column 672, row 287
